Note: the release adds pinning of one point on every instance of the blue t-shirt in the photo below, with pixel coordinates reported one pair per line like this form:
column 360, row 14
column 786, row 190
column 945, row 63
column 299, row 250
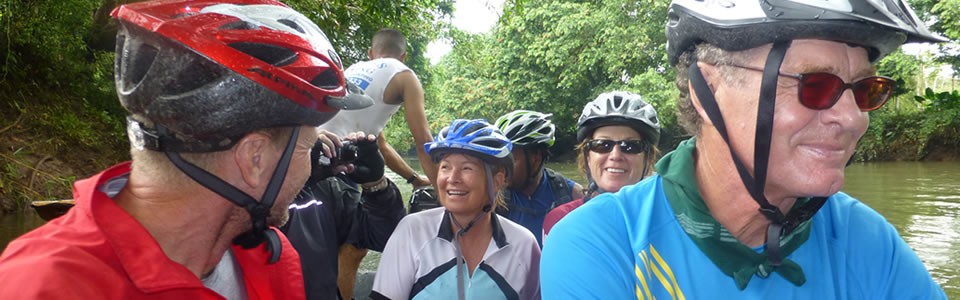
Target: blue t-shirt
column 530, row 211
column 630, row 245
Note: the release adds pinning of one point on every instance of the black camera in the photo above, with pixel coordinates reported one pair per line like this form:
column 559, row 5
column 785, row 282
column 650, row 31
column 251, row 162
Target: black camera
column 346, row 153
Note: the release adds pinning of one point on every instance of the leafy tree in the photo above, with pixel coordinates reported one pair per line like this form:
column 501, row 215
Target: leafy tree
column 56, row 74
column 943, row 16
column 553, row 57
column 905, row 69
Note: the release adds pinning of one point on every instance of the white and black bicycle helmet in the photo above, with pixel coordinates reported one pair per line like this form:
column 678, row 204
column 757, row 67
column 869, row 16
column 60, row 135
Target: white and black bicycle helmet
column 526, row 128
column 619, row 108
column 878, row 25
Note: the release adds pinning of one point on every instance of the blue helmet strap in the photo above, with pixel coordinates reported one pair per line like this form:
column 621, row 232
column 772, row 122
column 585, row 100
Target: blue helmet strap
column 780, row 224
column 259, row 211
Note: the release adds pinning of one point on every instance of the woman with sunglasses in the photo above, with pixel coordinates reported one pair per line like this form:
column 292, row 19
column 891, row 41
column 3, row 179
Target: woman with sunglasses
column 617, row 134
column 776, row 94
column 462, row 250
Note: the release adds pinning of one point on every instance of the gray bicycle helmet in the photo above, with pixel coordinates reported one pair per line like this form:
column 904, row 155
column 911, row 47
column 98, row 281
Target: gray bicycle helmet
column 878, row 25
column 527, row 128
column 619, row 108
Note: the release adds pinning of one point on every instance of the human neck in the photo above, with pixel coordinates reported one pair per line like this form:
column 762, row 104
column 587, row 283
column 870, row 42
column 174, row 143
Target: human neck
column 481, row 227
column 727, row 198
column 534, row 183
column 193, row 226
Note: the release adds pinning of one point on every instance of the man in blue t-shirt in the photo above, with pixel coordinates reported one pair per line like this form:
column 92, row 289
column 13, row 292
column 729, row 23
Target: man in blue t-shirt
column 751, row 207
column 533, row 189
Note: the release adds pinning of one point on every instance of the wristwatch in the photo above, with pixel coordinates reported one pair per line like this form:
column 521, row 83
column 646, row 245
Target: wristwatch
column 412, row 178
column 376, row 186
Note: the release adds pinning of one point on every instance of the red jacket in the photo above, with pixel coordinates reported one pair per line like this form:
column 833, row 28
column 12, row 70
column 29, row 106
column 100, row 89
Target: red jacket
column 558, row 213
column 98, row 251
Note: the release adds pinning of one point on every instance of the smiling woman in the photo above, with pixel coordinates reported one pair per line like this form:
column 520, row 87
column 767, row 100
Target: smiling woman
column 462, row 243
column 617, row 134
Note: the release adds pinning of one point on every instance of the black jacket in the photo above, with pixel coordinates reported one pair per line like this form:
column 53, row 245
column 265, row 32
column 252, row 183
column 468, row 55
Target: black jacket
column 332, row 212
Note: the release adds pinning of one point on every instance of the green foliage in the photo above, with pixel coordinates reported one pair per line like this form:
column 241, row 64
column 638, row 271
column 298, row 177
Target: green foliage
column 944, row 18
column 57, row 88
column 939, row 102
column 350, row 25
column 902, row 67
column 910, row 135
column 553, row 57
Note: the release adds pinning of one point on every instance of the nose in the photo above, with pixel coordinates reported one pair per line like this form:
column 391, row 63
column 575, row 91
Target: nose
column 845, row 112
column 616, row 153
column 454, row 176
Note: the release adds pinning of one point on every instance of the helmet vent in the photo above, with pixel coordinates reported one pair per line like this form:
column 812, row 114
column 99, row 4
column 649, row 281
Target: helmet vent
column 184, row 15
column 488, row 143
column 139, row 64
column 274, row 55
column 617, row 101
column 326, row 80
column 239, row 25
column 292, row 24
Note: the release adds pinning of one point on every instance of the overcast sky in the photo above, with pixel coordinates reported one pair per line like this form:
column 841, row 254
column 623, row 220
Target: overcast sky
column 474, row 16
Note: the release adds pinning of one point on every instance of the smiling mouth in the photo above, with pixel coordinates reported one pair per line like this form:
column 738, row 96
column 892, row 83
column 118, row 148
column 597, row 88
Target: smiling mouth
column 826, row 150
column 615, row 170
column 456, row 193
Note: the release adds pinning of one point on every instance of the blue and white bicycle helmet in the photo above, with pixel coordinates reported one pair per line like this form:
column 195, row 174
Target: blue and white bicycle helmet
column 473, row 137
column 619, row 108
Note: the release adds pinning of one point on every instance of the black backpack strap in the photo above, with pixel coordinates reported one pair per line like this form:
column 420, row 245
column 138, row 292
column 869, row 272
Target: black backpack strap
column 561, row 188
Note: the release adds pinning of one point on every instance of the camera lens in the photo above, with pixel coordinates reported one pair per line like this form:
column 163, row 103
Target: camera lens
column 348, row 152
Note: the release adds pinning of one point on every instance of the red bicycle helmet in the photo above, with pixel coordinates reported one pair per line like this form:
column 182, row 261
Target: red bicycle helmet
column 211, row 72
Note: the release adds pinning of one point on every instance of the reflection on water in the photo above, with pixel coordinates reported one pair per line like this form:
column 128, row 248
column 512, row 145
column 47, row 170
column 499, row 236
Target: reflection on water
column 922, row 200
column 13, row 225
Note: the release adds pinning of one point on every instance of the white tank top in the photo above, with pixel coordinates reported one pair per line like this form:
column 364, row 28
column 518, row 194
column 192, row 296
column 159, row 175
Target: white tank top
column 371, row 76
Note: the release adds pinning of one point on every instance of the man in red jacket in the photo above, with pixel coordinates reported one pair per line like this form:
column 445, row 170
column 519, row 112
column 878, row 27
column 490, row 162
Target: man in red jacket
column 223, row 99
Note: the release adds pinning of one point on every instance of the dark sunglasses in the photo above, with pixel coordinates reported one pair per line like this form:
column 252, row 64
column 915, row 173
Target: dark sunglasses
column 821, row 90
column 628, row 146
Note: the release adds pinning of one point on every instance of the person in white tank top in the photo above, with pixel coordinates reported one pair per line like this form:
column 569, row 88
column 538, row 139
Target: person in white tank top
column 390, row 83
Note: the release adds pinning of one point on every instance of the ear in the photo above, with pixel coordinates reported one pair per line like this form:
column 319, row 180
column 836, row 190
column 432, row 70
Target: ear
column 253, row 154
column 403, row 56
column 500, row 178
column 711, row 74
column 370, row 53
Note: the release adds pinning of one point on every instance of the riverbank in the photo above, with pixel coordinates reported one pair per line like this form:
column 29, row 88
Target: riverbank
column 36, row 165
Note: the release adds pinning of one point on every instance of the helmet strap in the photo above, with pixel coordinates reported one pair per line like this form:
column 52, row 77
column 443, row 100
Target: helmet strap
column 259, row 211
column 764, row 132
column 592, row 188
column 533, row 174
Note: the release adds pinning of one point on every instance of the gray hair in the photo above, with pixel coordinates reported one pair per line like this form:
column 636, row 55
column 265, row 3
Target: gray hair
column 687, row 114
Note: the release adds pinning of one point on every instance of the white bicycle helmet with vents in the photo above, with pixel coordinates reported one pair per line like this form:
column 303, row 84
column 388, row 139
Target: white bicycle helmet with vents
column 878, row 25
column 619, row 108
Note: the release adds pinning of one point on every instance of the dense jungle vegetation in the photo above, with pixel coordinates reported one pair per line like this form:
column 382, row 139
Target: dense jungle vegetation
column 60, row 119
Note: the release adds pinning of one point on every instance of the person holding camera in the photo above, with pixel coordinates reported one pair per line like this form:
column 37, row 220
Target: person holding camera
column 346, row 200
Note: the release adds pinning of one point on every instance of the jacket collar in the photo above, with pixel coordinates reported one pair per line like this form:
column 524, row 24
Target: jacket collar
column 446, row 229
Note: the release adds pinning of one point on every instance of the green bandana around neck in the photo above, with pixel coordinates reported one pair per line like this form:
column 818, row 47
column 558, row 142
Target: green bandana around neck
column 735, row 259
